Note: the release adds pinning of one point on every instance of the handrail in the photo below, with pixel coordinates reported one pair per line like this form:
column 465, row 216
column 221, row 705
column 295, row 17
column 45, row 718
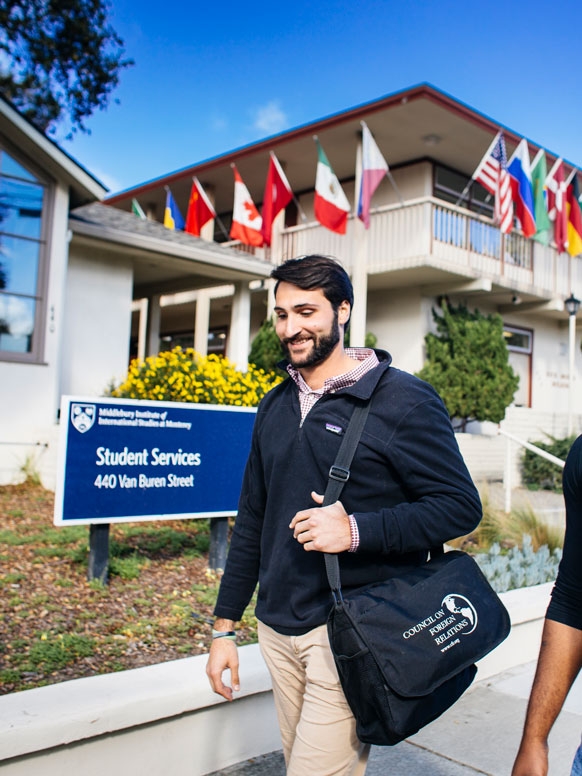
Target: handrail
column 534, row 449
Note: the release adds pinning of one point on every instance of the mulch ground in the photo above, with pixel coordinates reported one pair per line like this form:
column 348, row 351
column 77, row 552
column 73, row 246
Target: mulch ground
column 55, row 625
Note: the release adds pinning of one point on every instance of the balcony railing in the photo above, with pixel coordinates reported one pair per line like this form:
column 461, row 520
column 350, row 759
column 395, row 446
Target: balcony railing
column 428, row 232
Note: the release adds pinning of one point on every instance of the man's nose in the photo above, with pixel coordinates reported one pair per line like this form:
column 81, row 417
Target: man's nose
column 290, row 327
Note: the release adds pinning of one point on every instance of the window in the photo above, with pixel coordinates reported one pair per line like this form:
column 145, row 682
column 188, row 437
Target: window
column 449, row 185
column 21, row 254
column 520, row 346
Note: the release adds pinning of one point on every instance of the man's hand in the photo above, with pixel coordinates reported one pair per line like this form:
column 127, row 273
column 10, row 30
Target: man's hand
column 325, row 529
column 532, row 759
column 223, row 654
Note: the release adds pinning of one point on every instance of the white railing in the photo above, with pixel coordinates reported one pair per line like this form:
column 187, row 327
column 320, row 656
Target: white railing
column 428, row 231
column 507, row 485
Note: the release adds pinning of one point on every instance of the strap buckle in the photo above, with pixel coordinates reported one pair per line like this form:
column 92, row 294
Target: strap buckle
column 339, row 473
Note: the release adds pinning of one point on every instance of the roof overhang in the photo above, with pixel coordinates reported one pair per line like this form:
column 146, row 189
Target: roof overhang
column 47, row 155
column 161, row 265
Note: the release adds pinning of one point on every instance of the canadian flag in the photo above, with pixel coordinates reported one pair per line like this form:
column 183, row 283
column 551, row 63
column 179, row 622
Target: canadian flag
column 246, row 221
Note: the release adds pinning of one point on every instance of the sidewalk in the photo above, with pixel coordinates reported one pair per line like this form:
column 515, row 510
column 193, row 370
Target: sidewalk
column 479, row 735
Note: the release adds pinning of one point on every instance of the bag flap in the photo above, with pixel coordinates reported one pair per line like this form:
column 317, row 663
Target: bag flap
column 428, row 624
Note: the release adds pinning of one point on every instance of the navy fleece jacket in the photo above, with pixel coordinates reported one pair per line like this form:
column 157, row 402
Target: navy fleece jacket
column 409, row 490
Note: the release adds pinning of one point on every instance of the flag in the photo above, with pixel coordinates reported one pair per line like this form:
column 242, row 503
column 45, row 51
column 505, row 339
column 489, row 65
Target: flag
column 137, row 209
column 374, row 168
column 556, row 189
column 200, row 210
column 277, row 196
column 330, row 204
column 246, row 221
column 522, row 188
column 574, row 217
column 172, row 217
column 492, row 175
column 539, row 174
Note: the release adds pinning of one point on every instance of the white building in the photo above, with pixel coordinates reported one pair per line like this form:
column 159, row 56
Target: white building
column 86, row 285
column 421, row 244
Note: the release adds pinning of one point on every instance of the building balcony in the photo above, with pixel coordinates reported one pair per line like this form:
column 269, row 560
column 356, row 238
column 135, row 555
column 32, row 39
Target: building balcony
column 439, row 247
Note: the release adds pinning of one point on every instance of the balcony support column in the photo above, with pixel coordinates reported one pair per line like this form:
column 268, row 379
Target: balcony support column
column 360, row 284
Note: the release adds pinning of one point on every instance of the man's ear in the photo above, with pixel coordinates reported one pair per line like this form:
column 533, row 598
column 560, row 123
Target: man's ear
column 343, row 312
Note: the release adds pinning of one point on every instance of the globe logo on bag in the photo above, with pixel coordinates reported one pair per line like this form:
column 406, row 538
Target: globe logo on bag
column 458, row 604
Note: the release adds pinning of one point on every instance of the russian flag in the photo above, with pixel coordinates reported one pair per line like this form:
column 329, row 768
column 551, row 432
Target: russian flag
column 522, row 189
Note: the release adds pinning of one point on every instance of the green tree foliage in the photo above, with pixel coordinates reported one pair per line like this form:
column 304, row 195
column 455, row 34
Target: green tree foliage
column 59, row 59
column 468, row 364
column 266, row 350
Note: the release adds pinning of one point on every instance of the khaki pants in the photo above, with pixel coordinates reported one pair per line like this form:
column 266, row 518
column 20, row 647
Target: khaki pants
column 318, row 729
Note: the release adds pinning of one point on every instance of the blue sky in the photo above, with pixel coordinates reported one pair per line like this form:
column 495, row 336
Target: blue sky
column 211, row 77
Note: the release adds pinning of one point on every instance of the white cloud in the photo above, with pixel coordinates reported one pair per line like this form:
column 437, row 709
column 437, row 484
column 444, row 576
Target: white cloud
column 109, row 181
column 270, row 118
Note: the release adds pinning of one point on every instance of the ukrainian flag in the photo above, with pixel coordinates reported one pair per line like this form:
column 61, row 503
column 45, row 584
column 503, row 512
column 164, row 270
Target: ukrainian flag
column 172, row 217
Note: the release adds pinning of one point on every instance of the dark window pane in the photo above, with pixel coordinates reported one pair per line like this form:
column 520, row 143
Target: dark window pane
column 518, row 340
column 20, row 207
column 16, row 323
column 18, row 265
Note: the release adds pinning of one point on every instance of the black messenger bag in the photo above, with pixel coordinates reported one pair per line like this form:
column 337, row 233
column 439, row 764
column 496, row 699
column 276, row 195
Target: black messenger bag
column 406, row 648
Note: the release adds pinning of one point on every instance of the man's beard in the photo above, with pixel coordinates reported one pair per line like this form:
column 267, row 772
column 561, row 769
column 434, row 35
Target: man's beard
column 323, row 346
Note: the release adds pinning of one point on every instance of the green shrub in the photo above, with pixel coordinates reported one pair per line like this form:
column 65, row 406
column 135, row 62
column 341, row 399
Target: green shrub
column 537, row 472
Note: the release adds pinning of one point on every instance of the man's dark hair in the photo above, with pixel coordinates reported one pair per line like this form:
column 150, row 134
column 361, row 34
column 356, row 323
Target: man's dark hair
column 315, row 271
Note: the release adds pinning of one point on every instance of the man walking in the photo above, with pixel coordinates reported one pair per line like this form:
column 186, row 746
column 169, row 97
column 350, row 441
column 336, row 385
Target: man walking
column 408, row 490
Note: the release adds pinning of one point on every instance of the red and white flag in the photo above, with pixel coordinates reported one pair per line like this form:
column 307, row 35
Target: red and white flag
column 556, row 193
column 200, row 210
column 277, row 196
column 246, row 221
column 374, row 168
column 492, row 175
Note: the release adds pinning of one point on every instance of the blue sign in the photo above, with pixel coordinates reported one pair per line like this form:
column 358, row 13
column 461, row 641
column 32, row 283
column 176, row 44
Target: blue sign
column 124, row 460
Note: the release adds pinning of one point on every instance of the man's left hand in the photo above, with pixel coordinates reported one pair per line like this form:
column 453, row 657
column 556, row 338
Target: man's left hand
column 324, row 529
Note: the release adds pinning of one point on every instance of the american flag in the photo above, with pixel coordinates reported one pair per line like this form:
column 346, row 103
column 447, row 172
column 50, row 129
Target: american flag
column 492, row 174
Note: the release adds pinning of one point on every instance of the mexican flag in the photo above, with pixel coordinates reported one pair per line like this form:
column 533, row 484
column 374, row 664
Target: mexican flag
column 331, row 204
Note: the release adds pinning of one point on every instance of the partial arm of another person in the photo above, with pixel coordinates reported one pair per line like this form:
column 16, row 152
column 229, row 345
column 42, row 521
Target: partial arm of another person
column 560, row 657
column 559, row 662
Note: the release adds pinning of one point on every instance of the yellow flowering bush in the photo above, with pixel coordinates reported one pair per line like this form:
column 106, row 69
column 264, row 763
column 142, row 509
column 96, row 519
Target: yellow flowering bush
column 185, row 375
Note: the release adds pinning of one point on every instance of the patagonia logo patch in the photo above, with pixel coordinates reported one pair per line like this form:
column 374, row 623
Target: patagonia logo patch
column 334, row 429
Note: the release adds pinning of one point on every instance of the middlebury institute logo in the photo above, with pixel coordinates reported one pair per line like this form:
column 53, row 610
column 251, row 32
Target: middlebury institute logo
column 83, row 416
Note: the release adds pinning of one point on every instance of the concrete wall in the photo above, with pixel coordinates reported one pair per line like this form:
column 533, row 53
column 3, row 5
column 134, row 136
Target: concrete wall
column 165, row 719
column 98, row 323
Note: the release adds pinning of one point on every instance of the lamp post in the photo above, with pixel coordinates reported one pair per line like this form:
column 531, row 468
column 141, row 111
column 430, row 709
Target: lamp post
column 572, row 306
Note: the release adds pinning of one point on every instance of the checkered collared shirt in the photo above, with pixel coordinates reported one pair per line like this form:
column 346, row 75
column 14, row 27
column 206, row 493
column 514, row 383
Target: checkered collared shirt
column 308, row 397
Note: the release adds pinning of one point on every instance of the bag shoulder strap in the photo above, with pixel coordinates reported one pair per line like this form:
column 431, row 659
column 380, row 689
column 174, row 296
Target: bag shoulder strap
column 339, row 474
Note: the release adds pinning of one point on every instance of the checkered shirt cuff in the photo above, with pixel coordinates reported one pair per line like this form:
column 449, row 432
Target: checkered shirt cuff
column 355, row 534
